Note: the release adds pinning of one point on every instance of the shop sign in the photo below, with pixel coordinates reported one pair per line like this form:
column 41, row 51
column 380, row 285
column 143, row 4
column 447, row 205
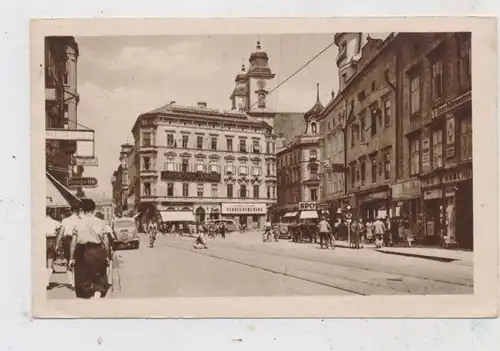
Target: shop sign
column 82, row 182
column 249, row 209
column 69, row 134
column 433, row 194
column 191, row 176
column 426, row 142
column 451, row 105
column 405, row 190
column 308, row 206
column 457, row 176
column 449, row 192
column 427, row 183
column 450, row 137
column 378, row 196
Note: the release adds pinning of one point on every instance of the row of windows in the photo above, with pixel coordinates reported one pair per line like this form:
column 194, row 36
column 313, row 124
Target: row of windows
column 437, row 77
column 212, row 166
column 184, row 143
column 293, row 175
column 426, row 156
column 379, row 120
column 290, row 197
column 380, row 171
column 242, row 192
column 294, row 158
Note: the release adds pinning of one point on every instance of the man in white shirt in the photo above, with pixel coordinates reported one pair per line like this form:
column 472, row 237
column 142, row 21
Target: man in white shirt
column 90, row 254
column 51, row 228
column 379, row 230
column 65, row 236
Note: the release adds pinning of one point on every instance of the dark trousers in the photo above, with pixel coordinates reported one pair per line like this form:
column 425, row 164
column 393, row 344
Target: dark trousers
column 324, row 238
column 90, row 270
column 66, row 246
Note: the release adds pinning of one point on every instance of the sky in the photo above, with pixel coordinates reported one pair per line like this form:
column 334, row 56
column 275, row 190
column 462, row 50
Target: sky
column 120, row 78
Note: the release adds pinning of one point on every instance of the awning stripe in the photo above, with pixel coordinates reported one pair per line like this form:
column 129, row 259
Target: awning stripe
column 308, row 214
column 177, row 216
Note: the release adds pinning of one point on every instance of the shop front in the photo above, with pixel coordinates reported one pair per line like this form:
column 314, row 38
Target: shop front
column 252, row 215
column 373, row 205
column 448, row 208
column 406, row 206
column 458, row 207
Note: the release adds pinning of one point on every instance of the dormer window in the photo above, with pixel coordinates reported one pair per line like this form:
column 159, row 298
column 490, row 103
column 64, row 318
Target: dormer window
column 313, row 128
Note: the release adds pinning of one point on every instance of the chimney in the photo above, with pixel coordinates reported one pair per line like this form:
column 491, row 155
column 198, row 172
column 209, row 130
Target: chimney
column 202, row 104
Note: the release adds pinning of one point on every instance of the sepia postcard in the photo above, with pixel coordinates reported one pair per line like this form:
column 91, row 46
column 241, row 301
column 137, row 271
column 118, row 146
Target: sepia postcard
column 199, row 168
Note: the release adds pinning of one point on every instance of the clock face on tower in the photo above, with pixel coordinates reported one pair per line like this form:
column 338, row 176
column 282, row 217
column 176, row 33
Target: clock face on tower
column 261, row 83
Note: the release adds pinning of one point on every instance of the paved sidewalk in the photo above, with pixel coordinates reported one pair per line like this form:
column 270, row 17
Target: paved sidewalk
column 457, row 256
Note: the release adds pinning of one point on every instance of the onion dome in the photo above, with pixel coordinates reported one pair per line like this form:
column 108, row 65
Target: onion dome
column 316, row 109
column 242, row 75
column 259, row 53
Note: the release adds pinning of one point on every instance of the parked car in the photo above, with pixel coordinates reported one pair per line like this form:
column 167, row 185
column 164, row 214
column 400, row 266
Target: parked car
column 125, row 233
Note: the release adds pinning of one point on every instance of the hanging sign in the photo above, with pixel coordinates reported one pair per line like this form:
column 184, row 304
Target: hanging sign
column 426, row 141
column 450, row 137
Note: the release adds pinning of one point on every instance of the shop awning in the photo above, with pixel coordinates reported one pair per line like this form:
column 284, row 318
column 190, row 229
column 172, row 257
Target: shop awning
column 57, row 195
column 177, row 216
column 290, row 214
column 308, row 214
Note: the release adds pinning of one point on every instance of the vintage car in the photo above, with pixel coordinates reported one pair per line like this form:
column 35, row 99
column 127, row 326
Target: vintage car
column 125, row 233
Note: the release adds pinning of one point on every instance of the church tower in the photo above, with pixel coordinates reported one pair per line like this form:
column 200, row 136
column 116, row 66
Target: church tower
column 350, row 46
column 312, row 127
column 259, row 78
column 240, row 92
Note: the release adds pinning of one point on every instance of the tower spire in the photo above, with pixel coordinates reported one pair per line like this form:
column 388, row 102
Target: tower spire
column 317, row 92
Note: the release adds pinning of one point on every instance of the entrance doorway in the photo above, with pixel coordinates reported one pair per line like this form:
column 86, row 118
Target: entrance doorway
column 200, row 215
column 464, row 216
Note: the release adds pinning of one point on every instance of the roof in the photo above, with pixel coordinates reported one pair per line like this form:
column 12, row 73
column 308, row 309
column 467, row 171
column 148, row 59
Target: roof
column 316, row 109
column 288, row 125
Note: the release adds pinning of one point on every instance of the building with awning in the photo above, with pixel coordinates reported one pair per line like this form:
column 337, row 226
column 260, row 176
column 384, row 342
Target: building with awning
column 308, row 214
column 58, row 198
column 177, row 216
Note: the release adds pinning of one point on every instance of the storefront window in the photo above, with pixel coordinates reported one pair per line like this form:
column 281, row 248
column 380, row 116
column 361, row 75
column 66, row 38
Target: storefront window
column 466, row 139
column 437, row 149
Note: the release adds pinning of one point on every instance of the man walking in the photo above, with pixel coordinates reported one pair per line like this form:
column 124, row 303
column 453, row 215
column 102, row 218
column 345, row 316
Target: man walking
column 90, row 254
column 64, row 239
column 379, row 230
column 324, row 232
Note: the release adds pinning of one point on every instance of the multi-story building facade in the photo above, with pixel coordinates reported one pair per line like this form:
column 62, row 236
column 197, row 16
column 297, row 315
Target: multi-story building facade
column 106, row 207
column 298, row 166
column 435, row 75
column 120, row 183
column 61, row 101
column 358, row 143
column 400, row 132
column 206, row 162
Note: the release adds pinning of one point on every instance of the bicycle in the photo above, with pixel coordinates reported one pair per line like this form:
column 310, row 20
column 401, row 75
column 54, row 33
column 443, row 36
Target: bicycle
column 267, row 237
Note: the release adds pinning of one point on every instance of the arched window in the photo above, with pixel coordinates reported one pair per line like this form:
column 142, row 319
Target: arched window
column 313, row 127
